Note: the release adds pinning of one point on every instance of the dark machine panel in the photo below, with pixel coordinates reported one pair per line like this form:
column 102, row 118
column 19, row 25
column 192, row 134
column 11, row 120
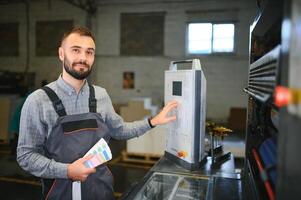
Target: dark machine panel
column 225, row 187
column 263, row 75
column 167, row 180
column 163, row 186
column 273, row 133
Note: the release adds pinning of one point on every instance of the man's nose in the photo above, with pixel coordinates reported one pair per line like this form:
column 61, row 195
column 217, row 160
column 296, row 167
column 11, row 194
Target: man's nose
column 82, row 56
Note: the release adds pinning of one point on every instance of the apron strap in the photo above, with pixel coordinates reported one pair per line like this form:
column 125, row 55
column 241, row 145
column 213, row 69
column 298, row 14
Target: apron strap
column 92, row 100
column 56, row 102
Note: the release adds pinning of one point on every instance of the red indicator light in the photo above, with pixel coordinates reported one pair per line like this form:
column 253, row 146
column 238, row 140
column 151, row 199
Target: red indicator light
column 282, row 96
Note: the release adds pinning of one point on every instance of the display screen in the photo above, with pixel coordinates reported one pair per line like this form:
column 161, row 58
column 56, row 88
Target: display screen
column 177, row 88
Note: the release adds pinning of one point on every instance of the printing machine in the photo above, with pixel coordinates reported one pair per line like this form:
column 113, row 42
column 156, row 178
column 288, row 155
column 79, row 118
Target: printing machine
column 185, row 171
column 168, row 180
column 272, row 168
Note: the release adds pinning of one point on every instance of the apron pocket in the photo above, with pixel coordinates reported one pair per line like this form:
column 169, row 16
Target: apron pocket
column 81, row 125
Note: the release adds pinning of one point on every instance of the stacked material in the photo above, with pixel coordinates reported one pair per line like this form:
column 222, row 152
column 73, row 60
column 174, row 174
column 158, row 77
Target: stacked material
column 153, row 142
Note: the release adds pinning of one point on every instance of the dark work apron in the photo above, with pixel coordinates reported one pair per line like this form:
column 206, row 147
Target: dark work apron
column 70, row 139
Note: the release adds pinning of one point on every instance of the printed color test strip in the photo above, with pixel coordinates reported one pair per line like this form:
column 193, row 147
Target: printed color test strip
column 102, row 153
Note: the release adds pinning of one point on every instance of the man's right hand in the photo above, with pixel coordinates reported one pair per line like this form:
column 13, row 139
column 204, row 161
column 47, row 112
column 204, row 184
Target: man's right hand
column 77, row 171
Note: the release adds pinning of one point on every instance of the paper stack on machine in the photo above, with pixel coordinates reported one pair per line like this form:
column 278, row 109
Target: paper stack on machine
column 101, row 153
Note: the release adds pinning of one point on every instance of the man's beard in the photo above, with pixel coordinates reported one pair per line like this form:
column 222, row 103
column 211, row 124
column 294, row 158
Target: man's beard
column 80, row 75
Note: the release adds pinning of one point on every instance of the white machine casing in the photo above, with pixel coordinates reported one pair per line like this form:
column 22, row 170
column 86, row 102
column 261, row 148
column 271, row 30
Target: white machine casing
column 185, row 139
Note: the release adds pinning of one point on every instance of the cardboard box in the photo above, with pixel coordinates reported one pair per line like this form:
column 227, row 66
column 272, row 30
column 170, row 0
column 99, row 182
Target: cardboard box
column 153, row 142
column 237, row 119
column 135, row 111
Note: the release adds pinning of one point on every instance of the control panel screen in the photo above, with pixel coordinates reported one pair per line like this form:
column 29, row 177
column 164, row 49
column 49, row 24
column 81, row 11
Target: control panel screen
column 177, row 88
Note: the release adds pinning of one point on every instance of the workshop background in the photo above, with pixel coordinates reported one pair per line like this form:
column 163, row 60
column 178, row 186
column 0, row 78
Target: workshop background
column 160, row 36
column 134, row 38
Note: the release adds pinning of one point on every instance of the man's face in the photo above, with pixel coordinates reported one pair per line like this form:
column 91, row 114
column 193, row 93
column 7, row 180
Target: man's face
column 77, row 54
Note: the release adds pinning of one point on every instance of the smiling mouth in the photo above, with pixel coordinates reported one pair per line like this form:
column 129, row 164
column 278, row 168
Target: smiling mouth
column 81, row 65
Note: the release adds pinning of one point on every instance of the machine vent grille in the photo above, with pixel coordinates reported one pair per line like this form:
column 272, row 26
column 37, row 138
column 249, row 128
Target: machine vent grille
column 263, row 76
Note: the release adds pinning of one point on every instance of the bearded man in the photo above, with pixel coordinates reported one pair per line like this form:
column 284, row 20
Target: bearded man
column 61, row 121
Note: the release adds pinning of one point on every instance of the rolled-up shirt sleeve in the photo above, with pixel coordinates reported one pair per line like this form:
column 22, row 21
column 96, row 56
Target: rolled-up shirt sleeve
column 119, row 129
column 32, row 136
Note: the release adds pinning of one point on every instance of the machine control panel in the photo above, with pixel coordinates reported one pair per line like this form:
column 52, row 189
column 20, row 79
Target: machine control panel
column 186, row 134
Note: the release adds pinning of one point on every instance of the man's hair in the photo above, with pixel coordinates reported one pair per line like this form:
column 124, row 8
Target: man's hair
column 81, row 30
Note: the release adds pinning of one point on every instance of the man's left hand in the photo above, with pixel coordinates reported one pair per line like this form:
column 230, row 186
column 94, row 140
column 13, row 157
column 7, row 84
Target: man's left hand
column 162, row 117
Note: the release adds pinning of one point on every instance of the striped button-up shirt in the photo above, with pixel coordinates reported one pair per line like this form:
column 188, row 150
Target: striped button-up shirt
column 38, row 118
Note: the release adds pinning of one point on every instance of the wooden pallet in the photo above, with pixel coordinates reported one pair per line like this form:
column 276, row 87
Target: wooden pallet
column 143, row 158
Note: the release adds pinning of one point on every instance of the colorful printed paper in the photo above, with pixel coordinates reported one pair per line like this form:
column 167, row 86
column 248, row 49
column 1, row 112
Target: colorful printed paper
column 102, row 153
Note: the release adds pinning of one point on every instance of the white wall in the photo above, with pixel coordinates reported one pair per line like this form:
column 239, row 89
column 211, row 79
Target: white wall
column 226, row 75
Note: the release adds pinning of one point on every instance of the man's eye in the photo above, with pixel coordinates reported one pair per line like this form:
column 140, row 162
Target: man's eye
column 90, row 52
column 75, row 50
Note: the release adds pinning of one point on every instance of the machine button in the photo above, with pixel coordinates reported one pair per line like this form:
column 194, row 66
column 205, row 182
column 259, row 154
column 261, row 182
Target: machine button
column 182, row 154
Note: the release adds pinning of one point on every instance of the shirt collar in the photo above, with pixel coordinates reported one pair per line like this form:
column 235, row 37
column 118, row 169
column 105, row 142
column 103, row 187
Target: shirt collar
column 68, row 89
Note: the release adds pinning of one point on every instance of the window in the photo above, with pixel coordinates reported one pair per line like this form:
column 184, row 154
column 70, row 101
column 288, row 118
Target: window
column 208, row 38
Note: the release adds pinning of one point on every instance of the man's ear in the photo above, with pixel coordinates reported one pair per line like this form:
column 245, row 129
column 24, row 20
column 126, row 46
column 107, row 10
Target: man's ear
column 61, row 53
